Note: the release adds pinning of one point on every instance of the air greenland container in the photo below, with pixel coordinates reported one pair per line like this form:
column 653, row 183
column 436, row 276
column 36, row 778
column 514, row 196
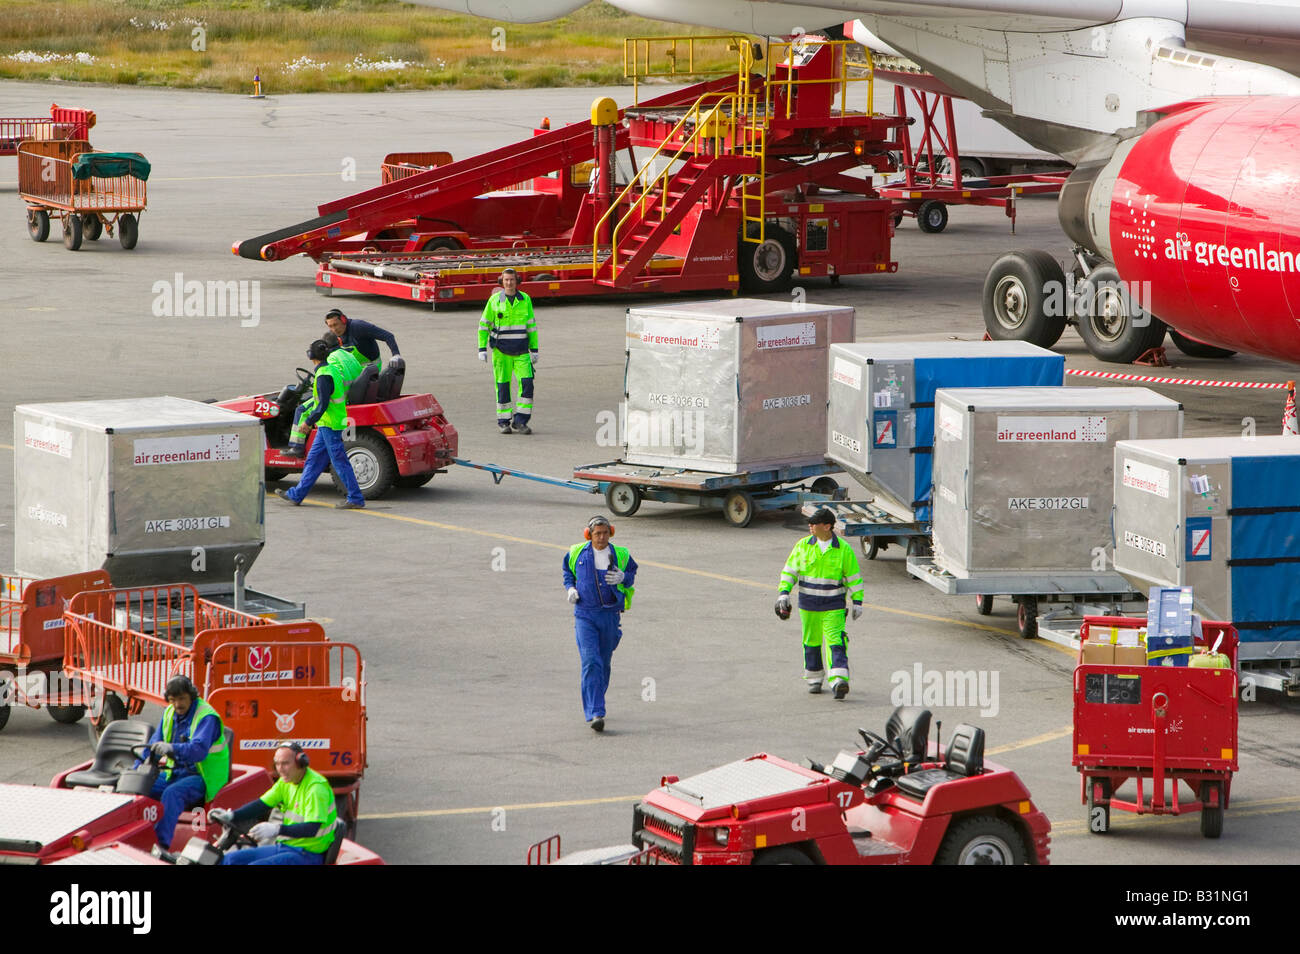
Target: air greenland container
column 880, row 422
column 729, row 386
column 1221, row 515
column 1023, row 476
column 151, row 489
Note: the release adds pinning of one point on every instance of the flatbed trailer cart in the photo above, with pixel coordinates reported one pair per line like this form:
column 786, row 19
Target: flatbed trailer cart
column 89, row 191
column 1155, row 724
column 738, row 496
column 63, row 122
column 1073, row 596
column 877, row 527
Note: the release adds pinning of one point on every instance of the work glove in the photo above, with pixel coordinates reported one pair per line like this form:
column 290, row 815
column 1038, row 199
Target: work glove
column 573, row 595
column 264, row 832
column 162, row 749
column 221, row 816
column 482, row 355
column 857, row 611
column 533, row 357
column 614, row 577
column 397, row 361
column 783, row 606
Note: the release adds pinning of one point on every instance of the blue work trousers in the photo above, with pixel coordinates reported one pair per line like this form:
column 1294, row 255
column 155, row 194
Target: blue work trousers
column 598, row 635
column 176, row 796
column 328, row 443
column 273, row 855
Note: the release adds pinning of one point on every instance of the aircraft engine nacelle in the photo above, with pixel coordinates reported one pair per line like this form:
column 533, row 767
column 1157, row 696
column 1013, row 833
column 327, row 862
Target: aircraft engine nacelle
column 1200, row 216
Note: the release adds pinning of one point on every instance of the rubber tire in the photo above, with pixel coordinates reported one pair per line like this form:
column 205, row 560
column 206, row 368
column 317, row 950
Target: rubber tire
column 825, row 485
column 983, row 604
column 343, row 808
column 870, row 547
column 4, row 715
column 114, row 710
column 738, row 509
column 1195, row 349
column 1105, row 818
column 1212, row 818
column 898, row 219
column 275, row 473
column 966, row 837
column 970, row 168
column 441, row 245
column 1126, row 341
column 91, row 227
column 932, row 216
column 785, row 855
column 623, row 500
column 72, row 232
column 66, row 715
column 1027, row 617
column 128, row 231
column 38, row 224
column 776, row 272
column 376, row 457
column 1026, row 275
column 412, row 481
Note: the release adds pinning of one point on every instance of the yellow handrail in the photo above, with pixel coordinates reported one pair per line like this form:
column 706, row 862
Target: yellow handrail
column 843, row 79
column 637, row 65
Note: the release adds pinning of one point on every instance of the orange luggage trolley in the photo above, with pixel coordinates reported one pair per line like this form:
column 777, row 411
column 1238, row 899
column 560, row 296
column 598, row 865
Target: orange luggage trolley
column 62, row 179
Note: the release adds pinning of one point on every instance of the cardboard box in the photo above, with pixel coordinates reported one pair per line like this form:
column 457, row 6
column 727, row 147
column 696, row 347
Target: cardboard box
column 1130, row 656
column 1100, row 654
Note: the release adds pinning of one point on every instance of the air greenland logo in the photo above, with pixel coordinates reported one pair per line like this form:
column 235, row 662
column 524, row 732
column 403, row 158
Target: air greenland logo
column 47, row 439
column 1053, row 430
column 1181, row 248
column 787, row 336
column 673, row 334
column 203, row 448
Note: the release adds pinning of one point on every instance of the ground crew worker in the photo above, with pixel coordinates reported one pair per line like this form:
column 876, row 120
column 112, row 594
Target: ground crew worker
column 191, row 743
column 509, row 330
column 349, row 369
column 361, row 338
column 329, row 416
column 305, row 797
column 599, row 580
column 825, row 568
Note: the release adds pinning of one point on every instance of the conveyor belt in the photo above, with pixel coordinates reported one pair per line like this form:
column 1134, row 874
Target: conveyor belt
column 252, row 248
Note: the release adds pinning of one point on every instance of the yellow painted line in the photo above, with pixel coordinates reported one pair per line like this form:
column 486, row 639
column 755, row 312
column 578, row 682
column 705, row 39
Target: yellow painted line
column 7, row 446
column 482, row 810
column 661, row 566
column 1036, row 740
column 1123, row 819
column 262, row 175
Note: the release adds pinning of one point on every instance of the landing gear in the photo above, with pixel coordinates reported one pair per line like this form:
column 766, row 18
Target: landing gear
column 1024, row 299
column 1111, row 324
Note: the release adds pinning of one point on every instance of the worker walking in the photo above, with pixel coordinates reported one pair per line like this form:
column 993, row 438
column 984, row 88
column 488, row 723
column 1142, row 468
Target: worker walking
column 348, row 368
column 361, row 338
column 599, row 581
column 509, row 330
column 330, row 417
column 826, row 569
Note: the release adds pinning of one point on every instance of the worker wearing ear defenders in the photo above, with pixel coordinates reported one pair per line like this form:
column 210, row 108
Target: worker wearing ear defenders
column 598, row 578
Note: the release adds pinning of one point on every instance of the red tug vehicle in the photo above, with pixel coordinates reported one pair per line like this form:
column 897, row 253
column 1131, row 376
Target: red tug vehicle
column 901, row 800
column 746, row 184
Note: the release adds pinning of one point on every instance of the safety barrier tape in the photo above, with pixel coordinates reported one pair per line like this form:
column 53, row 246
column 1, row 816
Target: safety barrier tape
column 1116, row 376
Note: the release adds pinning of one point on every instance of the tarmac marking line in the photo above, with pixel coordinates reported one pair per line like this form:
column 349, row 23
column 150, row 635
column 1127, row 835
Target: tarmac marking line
column 1051, row 736
column 1264, row 806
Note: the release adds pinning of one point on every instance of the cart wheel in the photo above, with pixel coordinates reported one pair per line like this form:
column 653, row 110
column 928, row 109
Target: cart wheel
column 623, row 499
column 767, row 266
column 1098, row 811
column 372, row 464
column 981, row 840
column 113, row 710
column 66, row 715
column 738, row 508
column 1027, row 616
column 1211, row 815
column 91, row 226
column 932, row 216
column 983, row 604
column 870, row 547
column 825, row 485
column 72, row 232
column 128, row 230
column 38, row 224
column 785, row 855
column 343, row 808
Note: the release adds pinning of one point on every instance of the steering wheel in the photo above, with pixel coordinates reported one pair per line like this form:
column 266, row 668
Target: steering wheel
column 876, row 746
column 304, row 377
column 143, row 752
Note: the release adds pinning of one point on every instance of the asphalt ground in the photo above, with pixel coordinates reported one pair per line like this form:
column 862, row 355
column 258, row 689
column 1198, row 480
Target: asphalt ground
column 477, row 746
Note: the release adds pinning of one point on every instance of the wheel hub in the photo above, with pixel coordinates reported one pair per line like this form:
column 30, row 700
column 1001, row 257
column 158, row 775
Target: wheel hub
column 365, row 467
column 990, row 852
column 1012, row 302
column 769, row 260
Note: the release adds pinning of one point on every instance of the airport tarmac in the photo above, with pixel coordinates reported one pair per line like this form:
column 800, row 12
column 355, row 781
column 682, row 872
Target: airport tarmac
column 477, row 747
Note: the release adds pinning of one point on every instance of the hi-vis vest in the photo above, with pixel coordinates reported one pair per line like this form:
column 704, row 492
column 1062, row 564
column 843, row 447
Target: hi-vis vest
column 215, row 767
column 620, row 559
column 346, row 363
column 336, row 415
column 294, row 801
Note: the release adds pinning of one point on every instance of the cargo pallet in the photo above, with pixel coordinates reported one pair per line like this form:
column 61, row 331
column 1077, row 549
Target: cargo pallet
column 744, row 183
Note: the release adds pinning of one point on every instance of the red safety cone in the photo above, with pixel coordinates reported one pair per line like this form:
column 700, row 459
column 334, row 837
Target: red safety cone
column 1290, row 428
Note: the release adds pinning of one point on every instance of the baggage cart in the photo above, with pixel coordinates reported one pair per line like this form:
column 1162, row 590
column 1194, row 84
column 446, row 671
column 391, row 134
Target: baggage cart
column 1156, row 724
column 62, row 179
column 64, row 122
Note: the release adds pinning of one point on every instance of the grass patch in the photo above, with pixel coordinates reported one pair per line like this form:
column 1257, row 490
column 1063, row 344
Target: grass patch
column 301, row 46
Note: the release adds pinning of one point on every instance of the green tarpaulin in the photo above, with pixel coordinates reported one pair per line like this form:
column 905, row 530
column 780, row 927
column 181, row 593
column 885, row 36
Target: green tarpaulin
column 110, row 165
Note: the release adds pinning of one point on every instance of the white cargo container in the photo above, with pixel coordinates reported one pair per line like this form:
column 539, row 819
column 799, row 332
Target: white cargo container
column 1221, row 515
column 729, row 386
column 1023, row 476
column 154, row 490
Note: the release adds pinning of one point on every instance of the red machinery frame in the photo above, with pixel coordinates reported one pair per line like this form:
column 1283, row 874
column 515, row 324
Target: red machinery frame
column 64, row 122
column 1156, row 723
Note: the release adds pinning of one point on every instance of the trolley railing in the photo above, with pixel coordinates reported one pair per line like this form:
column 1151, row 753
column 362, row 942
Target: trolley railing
column 45, row 177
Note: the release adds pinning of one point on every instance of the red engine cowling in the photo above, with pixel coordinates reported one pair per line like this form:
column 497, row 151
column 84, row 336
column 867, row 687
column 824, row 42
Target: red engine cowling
column 1203, row 207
